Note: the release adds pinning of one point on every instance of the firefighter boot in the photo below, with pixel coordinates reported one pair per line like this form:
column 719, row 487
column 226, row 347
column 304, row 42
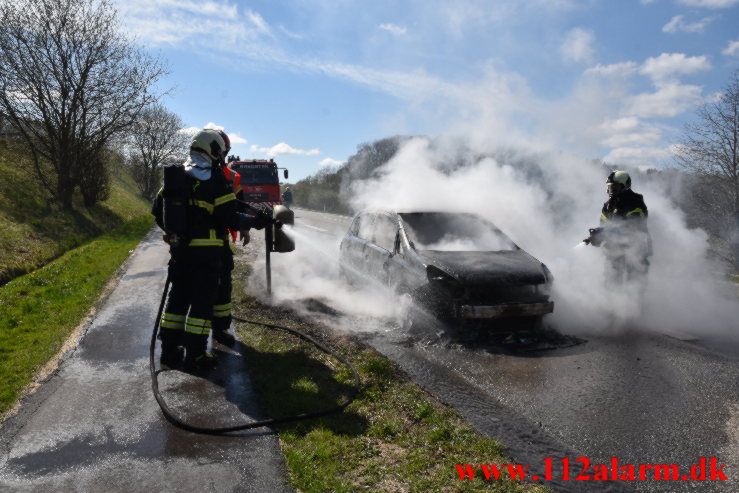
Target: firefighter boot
column 200, row 362
column 224, row 337
column 171, row 356
column 197, row 358
column 172, row 350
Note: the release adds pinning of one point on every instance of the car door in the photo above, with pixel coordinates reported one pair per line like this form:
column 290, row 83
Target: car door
column 379, row 250
column 353, row 246
column 405, row 270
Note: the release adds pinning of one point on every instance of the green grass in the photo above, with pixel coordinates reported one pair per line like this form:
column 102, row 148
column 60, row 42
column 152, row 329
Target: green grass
column 393, row 437
column 35, row 230
column 38, row 311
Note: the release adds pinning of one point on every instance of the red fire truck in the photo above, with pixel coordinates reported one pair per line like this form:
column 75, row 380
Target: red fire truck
column 259, row 180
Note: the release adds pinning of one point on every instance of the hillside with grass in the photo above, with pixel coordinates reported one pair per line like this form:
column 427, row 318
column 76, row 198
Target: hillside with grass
column 36, row 230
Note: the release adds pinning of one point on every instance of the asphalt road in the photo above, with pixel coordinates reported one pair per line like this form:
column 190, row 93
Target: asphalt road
column 95, row 426
column 641, row 398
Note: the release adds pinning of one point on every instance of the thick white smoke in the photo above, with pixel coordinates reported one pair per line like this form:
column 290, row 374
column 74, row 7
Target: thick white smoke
column 546, row 202
column 309, row 276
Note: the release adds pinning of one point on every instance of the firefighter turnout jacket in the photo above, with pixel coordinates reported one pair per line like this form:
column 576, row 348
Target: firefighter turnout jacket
column 211, row 210
column 624, row 222
column 626, row 205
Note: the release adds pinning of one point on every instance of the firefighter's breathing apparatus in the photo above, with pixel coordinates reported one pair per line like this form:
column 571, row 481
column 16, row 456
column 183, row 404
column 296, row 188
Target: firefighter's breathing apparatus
column 276, row 240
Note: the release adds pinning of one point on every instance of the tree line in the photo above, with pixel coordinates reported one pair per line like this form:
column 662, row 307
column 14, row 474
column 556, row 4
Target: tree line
column 77, row 95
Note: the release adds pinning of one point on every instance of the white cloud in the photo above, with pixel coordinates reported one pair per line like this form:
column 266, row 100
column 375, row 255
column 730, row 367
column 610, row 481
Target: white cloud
column 628, row 132
column 248, row 37
column 661, row 68
column 289, row 33
column 410, row 85
column 627, row 124
column 732, row 49
column 258, row 22
column 638, row 156
column 236, row 138
column 283, row 148
column 578, row 45
column 214, row 126
column 674, row 24
column 171, row 22
column 710, row 4
column 670, row 100
column 623, row 69
column 331, row 162
column 189, row 130
column 392, row 28
column 714, row 98
column 221, row 9
column 232, row 136
column 678, row 23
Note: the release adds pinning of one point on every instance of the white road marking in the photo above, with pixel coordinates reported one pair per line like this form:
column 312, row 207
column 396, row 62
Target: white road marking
column 314, row 228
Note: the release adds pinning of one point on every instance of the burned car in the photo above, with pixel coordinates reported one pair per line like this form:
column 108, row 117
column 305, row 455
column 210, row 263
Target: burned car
column 458, row 266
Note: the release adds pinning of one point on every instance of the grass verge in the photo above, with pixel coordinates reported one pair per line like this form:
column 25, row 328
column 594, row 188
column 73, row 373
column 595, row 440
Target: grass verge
column 36, row 230
column 38, row 311
column 394, row 437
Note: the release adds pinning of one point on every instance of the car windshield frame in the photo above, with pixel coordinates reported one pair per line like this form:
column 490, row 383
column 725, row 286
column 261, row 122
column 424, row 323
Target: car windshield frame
column 410, row 228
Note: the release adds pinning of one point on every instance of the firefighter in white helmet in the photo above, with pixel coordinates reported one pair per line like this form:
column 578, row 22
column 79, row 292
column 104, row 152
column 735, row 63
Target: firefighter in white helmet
column 195, row 208
column 623, row 230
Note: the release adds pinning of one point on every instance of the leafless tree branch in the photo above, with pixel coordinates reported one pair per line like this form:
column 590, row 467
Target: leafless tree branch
column 155, row 138
column 70, row 81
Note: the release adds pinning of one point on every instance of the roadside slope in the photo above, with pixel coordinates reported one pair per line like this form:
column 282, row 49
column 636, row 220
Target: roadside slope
column 36, row 231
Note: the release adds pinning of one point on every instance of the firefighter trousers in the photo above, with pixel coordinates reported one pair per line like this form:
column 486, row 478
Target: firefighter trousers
column 187, row 317
column 223, row 305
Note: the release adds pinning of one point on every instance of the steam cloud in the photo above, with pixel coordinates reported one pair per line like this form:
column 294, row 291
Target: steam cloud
column 545, row 201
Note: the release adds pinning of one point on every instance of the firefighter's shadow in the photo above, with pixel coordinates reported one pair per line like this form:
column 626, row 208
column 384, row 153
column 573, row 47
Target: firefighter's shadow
column 265, row 385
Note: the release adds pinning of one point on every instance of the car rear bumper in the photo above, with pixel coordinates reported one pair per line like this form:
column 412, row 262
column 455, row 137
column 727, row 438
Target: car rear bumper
column 507, row 310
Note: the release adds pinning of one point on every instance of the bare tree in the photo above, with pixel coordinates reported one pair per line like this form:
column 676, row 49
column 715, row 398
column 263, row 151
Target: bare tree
column 70, row 81
column 710, row 150
column 156, row 138
column 95, row 178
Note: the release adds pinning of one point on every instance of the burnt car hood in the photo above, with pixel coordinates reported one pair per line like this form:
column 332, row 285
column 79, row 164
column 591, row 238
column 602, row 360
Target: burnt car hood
column 494, row 269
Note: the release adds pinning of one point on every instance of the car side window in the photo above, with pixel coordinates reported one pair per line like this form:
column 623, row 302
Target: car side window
column 364, row 229
column 385, row 231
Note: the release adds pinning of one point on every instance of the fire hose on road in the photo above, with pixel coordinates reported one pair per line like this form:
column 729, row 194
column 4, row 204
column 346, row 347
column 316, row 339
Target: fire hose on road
column 170, row 415
column 172, row 418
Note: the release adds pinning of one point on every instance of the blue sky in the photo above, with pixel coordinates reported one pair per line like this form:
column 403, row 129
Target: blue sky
column 306, row 81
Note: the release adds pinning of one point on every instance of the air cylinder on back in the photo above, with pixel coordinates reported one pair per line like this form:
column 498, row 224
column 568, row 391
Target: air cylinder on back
column 175, row 200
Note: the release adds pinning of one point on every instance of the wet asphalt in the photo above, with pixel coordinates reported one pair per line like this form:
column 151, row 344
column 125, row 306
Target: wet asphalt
column 642, row 398
column 94, row 425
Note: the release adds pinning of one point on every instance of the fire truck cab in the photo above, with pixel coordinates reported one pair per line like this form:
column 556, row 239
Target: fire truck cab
column 260, row 180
